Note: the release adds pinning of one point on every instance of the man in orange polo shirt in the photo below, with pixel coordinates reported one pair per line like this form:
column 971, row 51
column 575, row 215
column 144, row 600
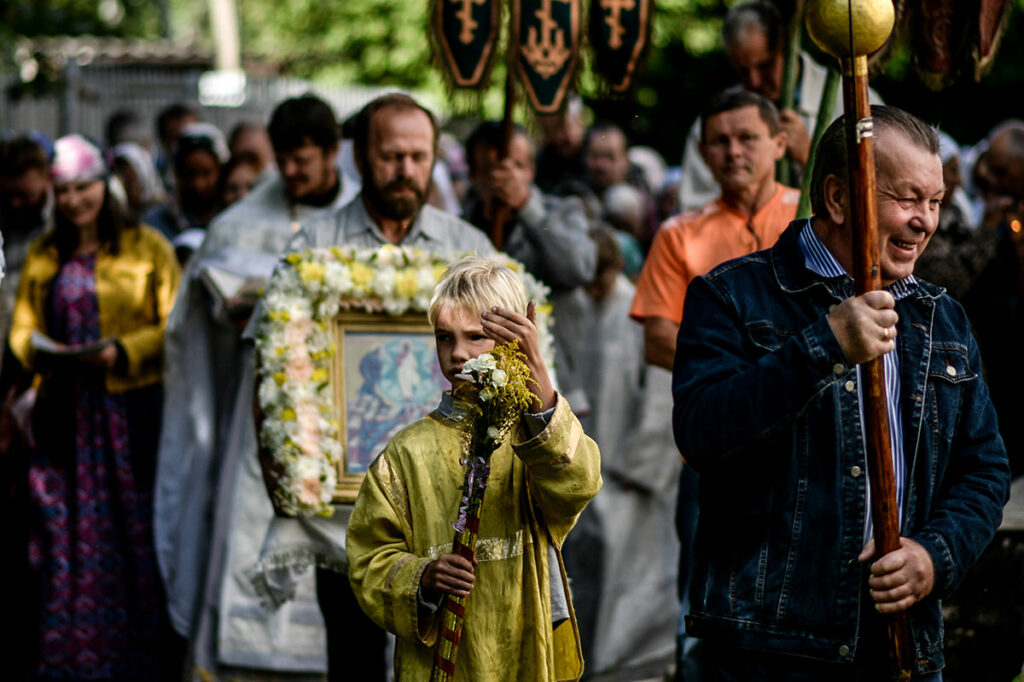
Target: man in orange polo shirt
column 741, row 139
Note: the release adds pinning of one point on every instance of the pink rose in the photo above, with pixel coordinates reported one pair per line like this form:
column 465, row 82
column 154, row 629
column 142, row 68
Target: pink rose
column 300, row 366
column 309, row 491
column 297, row 330
column 308, row 418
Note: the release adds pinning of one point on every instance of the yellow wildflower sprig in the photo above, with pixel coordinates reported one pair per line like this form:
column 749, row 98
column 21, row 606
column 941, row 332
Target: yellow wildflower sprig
column 493, row 399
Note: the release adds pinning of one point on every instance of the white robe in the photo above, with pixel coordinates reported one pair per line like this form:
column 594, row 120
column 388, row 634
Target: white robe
column 631, row 420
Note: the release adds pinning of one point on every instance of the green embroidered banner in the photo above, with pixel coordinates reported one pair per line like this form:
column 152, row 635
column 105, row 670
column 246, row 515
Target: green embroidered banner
column 620, row 32
column 465, row 37
column 548, row 42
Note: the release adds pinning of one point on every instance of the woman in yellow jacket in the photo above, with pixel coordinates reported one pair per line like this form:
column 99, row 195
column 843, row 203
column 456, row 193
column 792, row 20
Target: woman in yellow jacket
column 93, row 300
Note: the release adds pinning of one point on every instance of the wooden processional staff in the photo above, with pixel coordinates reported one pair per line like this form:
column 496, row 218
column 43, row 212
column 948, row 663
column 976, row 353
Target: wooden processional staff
column 850, row 30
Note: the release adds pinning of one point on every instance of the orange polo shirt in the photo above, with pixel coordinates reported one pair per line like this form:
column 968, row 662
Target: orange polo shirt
column 691, row 244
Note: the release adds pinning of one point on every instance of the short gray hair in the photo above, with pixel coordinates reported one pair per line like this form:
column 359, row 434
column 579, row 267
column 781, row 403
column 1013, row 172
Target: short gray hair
column 758, row 15
column 830, row 156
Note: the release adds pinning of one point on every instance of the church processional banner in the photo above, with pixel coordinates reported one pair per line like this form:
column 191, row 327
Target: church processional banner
column 346, row 359
column 465, row 33
column 619, row 34
column 543, row 44
column 548, row 42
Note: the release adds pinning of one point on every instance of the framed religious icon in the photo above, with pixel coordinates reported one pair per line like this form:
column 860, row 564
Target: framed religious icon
column 345, row 359
column 384, row 375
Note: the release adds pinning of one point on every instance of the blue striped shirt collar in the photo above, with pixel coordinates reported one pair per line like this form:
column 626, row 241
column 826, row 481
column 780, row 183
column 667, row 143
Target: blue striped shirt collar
column 819, row 260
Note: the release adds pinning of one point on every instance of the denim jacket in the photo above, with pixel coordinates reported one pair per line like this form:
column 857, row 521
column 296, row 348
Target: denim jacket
column 766, row 409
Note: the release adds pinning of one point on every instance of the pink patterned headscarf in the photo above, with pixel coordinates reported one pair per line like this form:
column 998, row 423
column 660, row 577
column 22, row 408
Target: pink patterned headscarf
column 76, row 159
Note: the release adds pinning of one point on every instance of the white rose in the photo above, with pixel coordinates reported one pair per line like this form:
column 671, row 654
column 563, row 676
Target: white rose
column 383, row 283
column 337, row 278
column 481, row 363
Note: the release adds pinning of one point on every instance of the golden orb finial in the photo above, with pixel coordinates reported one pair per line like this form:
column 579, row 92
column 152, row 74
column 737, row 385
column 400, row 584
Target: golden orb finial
column 828, row 24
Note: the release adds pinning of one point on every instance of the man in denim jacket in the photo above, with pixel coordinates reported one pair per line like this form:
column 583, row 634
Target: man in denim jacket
column 786, row 582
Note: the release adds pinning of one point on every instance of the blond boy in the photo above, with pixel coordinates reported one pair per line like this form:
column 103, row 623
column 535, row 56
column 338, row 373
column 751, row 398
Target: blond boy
column 519, row 623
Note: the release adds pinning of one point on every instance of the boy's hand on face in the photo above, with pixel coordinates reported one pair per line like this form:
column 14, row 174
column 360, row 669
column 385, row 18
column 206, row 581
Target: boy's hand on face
column 504, row 326
column 451, row 574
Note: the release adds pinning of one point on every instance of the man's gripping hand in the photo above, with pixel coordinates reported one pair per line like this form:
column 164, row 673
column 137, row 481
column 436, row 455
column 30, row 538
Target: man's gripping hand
column 865, row 325
column 798, row 141
column 450, row 574
column 900, row 579
column 510, row 184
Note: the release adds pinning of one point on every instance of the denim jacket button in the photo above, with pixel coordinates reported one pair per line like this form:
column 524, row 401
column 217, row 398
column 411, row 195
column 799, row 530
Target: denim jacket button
column 844, row 650
column 951, row 370
column 849, row 386
column 855, row 471
column 838, row 368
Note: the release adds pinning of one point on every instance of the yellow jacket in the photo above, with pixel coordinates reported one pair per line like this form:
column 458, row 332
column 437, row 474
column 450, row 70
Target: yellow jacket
column 135, row 288
column 403, row 520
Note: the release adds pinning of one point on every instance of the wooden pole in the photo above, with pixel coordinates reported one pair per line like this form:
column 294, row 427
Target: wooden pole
column 453, row 610
column 863, row 216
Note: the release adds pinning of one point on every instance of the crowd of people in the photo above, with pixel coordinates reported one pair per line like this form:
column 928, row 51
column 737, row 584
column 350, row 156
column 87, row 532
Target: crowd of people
column 128, row 438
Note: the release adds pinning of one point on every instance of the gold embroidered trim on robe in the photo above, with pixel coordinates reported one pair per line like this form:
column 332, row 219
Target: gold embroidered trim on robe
column 393, row 485
column 487, row 549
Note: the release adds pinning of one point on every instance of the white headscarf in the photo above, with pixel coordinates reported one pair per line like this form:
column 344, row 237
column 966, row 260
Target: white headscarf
column 142, row 163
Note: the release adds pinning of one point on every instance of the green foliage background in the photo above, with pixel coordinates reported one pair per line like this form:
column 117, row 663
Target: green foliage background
column 384, row 42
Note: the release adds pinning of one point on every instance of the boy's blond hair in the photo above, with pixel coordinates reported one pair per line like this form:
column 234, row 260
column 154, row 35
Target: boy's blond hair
column 475, row 284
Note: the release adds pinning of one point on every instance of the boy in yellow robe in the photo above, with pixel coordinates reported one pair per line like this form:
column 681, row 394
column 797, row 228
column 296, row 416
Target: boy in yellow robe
column 519, row 622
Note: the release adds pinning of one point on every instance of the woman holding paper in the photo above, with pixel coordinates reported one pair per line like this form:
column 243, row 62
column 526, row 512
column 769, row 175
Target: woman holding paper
column 93, row 300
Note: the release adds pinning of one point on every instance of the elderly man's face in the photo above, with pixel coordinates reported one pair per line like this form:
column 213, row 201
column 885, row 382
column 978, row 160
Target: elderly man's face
column 399, row 161
column 759, row 68
column 910, row 190
column 486, row 159
column 740, row 150
column 563, row 133
column 1003, row 179
column 607, row 163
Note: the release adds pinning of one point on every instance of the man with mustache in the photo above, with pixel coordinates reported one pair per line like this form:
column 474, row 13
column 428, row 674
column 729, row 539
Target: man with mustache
column 394, row 144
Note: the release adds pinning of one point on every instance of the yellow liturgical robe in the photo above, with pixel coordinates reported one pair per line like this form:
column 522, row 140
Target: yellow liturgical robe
column 403, row 520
